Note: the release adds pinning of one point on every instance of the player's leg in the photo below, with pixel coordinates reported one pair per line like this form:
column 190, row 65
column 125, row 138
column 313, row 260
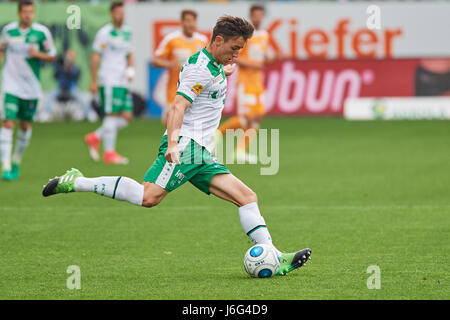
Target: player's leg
column 122, row 109
column 115, row 187
column 253, row 119
column 126, row 111
column 230, row 188
column 107, row 132
column 6, row 143
column 10, row 113
column 27, row 109
column 161, row 178
column 94, row 138
column 233, row 123
column 23, row 138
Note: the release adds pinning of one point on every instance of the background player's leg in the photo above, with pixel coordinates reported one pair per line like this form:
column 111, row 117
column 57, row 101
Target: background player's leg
column 230, row 188
column 123, row 120
column 22, row 141
column 6, row 139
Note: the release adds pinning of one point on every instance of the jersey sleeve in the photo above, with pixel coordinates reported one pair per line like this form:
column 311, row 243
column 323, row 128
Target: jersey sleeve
column 100, row 42
column 163, row 50
column 193, row 80
column 48, row 43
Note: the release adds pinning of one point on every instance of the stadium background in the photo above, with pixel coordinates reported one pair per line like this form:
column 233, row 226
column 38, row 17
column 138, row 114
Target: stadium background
column 311, row 35
column 359, row 193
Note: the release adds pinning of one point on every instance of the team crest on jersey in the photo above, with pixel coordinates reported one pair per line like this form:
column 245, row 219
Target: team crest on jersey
column 197, row 89
column 32, row 38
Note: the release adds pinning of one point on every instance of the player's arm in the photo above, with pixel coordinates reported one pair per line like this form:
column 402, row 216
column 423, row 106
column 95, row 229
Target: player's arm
column 164, row 63
column 99, row 45
column 162, row 53
column 34, row 53
column 174, row 122
column 46, row 49
column 95, row 61
column 131, row 71
column 3, row 44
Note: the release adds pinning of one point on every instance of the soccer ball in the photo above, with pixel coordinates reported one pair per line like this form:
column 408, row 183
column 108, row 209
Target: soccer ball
column 261, row 261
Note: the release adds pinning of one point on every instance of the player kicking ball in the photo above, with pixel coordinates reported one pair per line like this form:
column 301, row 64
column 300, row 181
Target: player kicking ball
column 185, row 150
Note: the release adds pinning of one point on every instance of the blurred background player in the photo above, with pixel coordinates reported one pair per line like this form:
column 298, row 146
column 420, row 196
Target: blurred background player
column 174, row 50
column 67, row 74
column 112, row 46
column 250, row 86
column 25, row 44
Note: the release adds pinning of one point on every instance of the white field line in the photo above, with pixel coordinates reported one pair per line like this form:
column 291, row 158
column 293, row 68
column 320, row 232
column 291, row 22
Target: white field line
column 262, row 207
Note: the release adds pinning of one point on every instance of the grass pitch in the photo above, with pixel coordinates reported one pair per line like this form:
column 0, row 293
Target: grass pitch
column 357, row 193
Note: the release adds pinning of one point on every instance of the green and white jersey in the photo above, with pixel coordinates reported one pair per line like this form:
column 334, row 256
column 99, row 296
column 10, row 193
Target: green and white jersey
column 21, row 73
column 114, row 45
column 202, row 81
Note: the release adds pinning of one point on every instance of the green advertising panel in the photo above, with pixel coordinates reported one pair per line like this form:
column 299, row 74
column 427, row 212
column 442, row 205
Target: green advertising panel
column 72, row 24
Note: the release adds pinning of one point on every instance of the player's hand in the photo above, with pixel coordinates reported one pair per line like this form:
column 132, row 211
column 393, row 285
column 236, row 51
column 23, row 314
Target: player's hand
column 173, row 64
column 130, row 73
column 229, row 69
column 173, row 155
column 33, row 52
column 93, row 88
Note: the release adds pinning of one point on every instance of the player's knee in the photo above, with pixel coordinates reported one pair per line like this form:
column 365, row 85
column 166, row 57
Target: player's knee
column 9, row 124
column 25, row 125
column 249, row 197
column 128, row 116
column 150, row 201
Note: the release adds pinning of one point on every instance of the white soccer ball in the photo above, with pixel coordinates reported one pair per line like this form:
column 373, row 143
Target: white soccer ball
column 261, row 261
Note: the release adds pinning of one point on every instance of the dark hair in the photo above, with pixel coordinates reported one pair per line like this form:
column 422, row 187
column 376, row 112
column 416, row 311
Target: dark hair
column 23, row 3
column 115, row 4
column 232, row 27
column 186, row 12
column 256, row 7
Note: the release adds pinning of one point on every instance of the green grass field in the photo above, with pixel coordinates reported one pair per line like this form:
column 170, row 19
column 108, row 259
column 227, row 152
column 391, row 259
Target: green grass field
column 357, row 193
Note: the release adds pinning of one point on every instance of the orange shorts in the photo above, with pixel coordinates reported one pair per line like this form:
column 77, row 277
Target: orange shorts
column 250, row 102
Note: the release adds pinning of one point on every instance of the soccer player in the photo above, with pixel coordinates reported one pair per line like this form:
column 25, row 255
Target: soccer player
column 185, row 150
column 175, row 49
column 25, row 44
column 250, row 87
column 112, row 46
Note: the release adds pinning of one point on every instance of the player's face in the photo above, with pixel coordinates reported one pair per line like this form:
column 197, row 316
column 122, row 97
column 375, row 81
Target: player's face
column 189, row 25
column 256, row 17
column 26, row 15
column 118, row 15
column 228, row 51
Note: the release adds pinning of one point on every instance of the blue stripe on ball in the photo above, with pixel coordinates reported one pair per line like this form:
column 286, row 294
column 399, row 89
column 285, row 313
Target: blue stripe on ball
column 256, row 251
column 265, row 273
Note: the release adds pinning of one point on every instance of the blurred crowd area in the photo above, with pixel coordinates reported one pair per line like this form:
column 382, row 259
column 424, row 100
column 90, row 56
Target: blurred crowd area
column 134, row 1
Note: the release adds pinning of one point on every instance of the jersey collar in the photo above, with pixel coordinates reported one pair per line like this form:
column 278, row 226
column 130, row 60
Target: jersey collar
column 210, row 57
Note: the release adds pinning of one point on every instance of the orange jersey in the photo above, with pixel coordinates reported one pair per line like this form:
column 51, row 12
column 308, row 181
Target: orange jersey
column 177, row 47
column 255, row 50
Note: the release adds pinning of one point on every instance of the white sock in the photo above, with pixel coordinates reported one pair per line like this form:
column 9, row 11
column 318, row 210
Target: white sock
column 6, row 137
column 121, row 123
column 120, row 188
column 22, row 142
column 108, row 132
column 254, row 225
